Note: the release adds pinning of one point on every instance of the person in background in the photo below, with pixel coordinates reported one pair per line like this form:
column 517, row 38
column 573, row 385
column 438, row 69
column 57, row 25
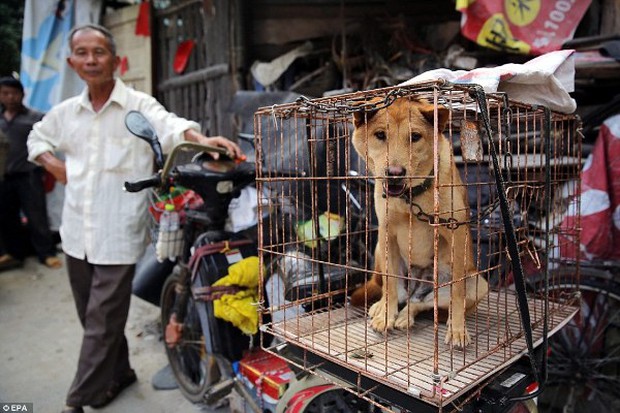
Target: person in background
column 22, row 190
column 6, row 260
column 104, row 229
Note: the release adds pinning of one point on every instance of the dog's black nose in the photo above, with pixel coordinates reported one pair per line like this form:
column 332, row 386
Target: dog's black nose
column 395, row 171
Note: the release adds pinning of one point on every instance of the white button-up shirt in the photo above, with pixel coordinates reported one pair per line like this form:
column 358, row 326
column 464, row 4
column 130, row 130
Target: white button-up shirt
column 100, row 221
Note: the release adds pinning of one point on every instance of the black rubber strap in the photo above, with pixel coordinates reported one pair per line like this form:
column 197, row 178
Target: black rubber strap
column 511, row 237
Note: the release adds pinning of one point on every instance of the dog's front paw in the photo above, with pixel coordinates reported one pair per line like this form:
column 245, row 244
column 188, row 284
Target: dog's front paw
column 381, row 319
column 404, row 319
column 458, row 337
column 382, row 322
column 377, row 308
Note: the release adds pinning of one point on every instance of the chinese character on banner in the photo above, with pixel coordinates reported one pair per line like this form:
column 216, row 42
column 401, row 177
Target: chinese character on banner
column 521, row 26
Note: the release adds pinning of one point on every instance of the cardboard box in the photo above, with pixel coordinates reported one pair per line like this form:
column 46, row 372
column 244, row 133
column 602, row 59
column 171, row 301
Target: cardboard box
column 269, row 374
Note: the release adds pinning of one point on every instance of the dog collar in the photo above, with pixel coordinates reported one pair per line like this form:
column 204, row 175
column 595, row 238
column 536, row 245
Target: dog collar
column 423, row 187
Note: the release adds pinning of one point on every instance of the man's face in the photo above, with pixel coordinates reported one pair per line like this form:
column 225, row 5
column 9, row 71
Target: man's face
column 11, row 97
column 91, row 57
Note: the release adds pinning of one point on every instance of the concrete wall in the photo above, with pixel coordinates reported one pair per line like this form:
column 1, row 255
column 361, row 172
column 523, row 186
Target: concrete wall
column 136, row 49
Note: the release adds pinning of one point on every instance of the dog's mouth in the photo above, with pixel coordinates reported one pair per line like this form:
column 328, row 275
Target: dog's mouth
column 394, row 187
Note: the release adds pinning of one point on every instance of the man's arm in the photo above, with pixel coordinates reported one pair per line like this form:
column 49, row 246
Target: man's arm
column 233, row 149
column 54, row 166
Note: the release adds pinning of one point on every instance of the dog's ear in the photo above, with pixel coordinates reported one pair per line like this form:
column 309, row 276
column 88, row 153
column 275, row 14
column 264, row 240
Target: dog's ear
column 361, row 117
column 428, row 111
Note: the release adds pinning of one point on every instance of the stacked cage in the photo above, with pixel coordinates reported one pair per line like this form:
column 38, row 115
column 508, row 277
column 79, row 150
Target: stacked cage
column 335, row 204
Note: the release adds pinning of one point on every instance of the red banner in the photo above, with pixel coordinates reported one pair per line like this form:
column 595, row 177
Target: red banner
column 521, row 26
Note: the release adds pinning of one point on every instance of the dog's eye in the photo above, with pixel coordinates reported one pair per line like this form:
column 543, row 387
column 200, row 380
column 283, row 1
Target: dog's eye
column 415, row 136
column 380, row 135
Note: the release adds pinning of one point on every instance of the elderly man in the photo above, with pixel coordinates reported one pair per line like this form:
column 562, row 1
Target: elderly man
column 103, row 229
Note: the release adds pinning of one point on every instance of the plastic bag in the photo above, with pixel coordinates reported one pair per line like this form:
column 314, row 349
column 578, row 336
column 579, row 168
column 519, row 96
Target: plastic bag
column 179, row 197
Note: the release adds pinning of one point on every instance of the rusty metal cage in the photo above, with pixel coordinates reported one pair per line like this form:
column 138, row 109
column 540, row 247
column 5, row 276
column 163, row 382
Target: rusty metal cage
column 319, row 229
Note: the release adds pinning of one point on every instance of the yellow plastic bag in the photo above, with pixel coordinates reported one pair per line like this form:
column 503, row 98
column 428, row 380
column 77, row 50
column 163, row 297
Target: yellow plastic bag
column 240, row 308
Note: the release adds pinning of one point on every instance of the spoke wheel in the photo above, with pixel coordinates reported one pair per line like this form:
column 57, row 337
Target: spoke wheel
column 584, row 360
column 195, row 371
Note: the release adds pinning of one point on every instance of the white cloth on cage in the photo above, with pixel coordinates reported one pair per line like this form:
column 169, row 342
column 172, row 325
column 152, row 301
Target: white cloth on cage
column 545, row 80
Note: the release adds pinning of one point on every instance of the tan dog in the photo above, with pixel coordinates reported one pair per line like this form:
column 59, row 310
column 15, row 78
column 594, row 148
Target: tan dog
column 398, row 144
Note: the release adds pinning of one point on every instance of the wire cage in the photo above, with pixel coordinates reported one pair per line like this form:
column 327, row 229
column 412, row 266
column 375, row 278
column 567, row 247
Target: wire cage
column 320, row 227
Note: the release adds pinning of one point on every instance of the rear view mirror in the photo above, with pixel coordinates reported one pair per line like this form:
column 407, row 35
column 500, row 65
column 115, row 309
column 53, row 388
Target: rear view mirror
column 138, row 125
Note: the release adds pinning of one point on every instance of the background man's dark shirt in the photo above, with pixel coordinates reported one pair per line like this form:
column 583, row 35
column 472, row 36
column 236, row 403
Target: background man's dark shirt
column 16, row 131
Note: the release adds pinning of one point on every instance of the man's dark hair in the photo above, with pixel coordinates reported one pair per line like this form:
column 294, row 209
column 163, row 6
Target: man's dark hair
column 10, row 81
column 92, row 26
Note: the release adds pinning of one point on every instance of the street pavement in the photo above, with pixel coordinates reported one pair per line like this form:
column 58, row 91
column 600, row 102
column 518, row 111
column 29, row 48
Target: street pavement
column 40, row 337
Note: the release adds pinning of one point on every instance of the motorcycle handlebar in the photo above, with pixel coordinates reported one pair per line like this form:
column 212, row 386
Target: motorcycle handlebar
column 156, row 180
column 137, row 186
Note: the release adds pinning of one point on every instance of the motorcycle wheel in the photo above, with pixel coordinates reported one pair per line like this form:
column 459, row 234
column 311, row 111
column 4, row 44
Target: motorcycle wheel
column 194, row 370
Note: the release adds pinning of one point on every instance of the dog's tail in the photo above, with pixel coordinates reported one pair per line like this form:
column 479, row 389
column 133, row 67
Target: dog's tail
column 368, row 293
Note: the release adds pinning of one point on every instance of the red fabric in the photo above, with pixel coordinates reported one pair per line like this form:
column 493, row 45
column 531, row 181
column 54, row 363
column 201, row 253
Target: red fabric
column 124, row 65
column 143, row 24
column 600, row 199
column 527, row 27
column 181, row 57
column 49, row 182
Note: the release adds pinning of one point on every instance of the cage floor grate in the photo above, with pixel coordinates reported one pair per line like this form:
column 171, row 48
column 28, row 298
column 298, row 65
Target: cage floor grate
column 405, row 360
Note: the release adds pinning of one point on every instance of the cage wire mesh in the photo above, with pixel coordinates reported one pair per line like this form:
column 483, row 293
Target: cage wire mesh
column 319, row 230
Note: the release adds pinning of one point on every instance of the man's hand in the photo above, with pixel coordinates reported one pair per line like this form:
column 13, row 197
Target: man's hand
column 234, row 151
column 54, row 166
